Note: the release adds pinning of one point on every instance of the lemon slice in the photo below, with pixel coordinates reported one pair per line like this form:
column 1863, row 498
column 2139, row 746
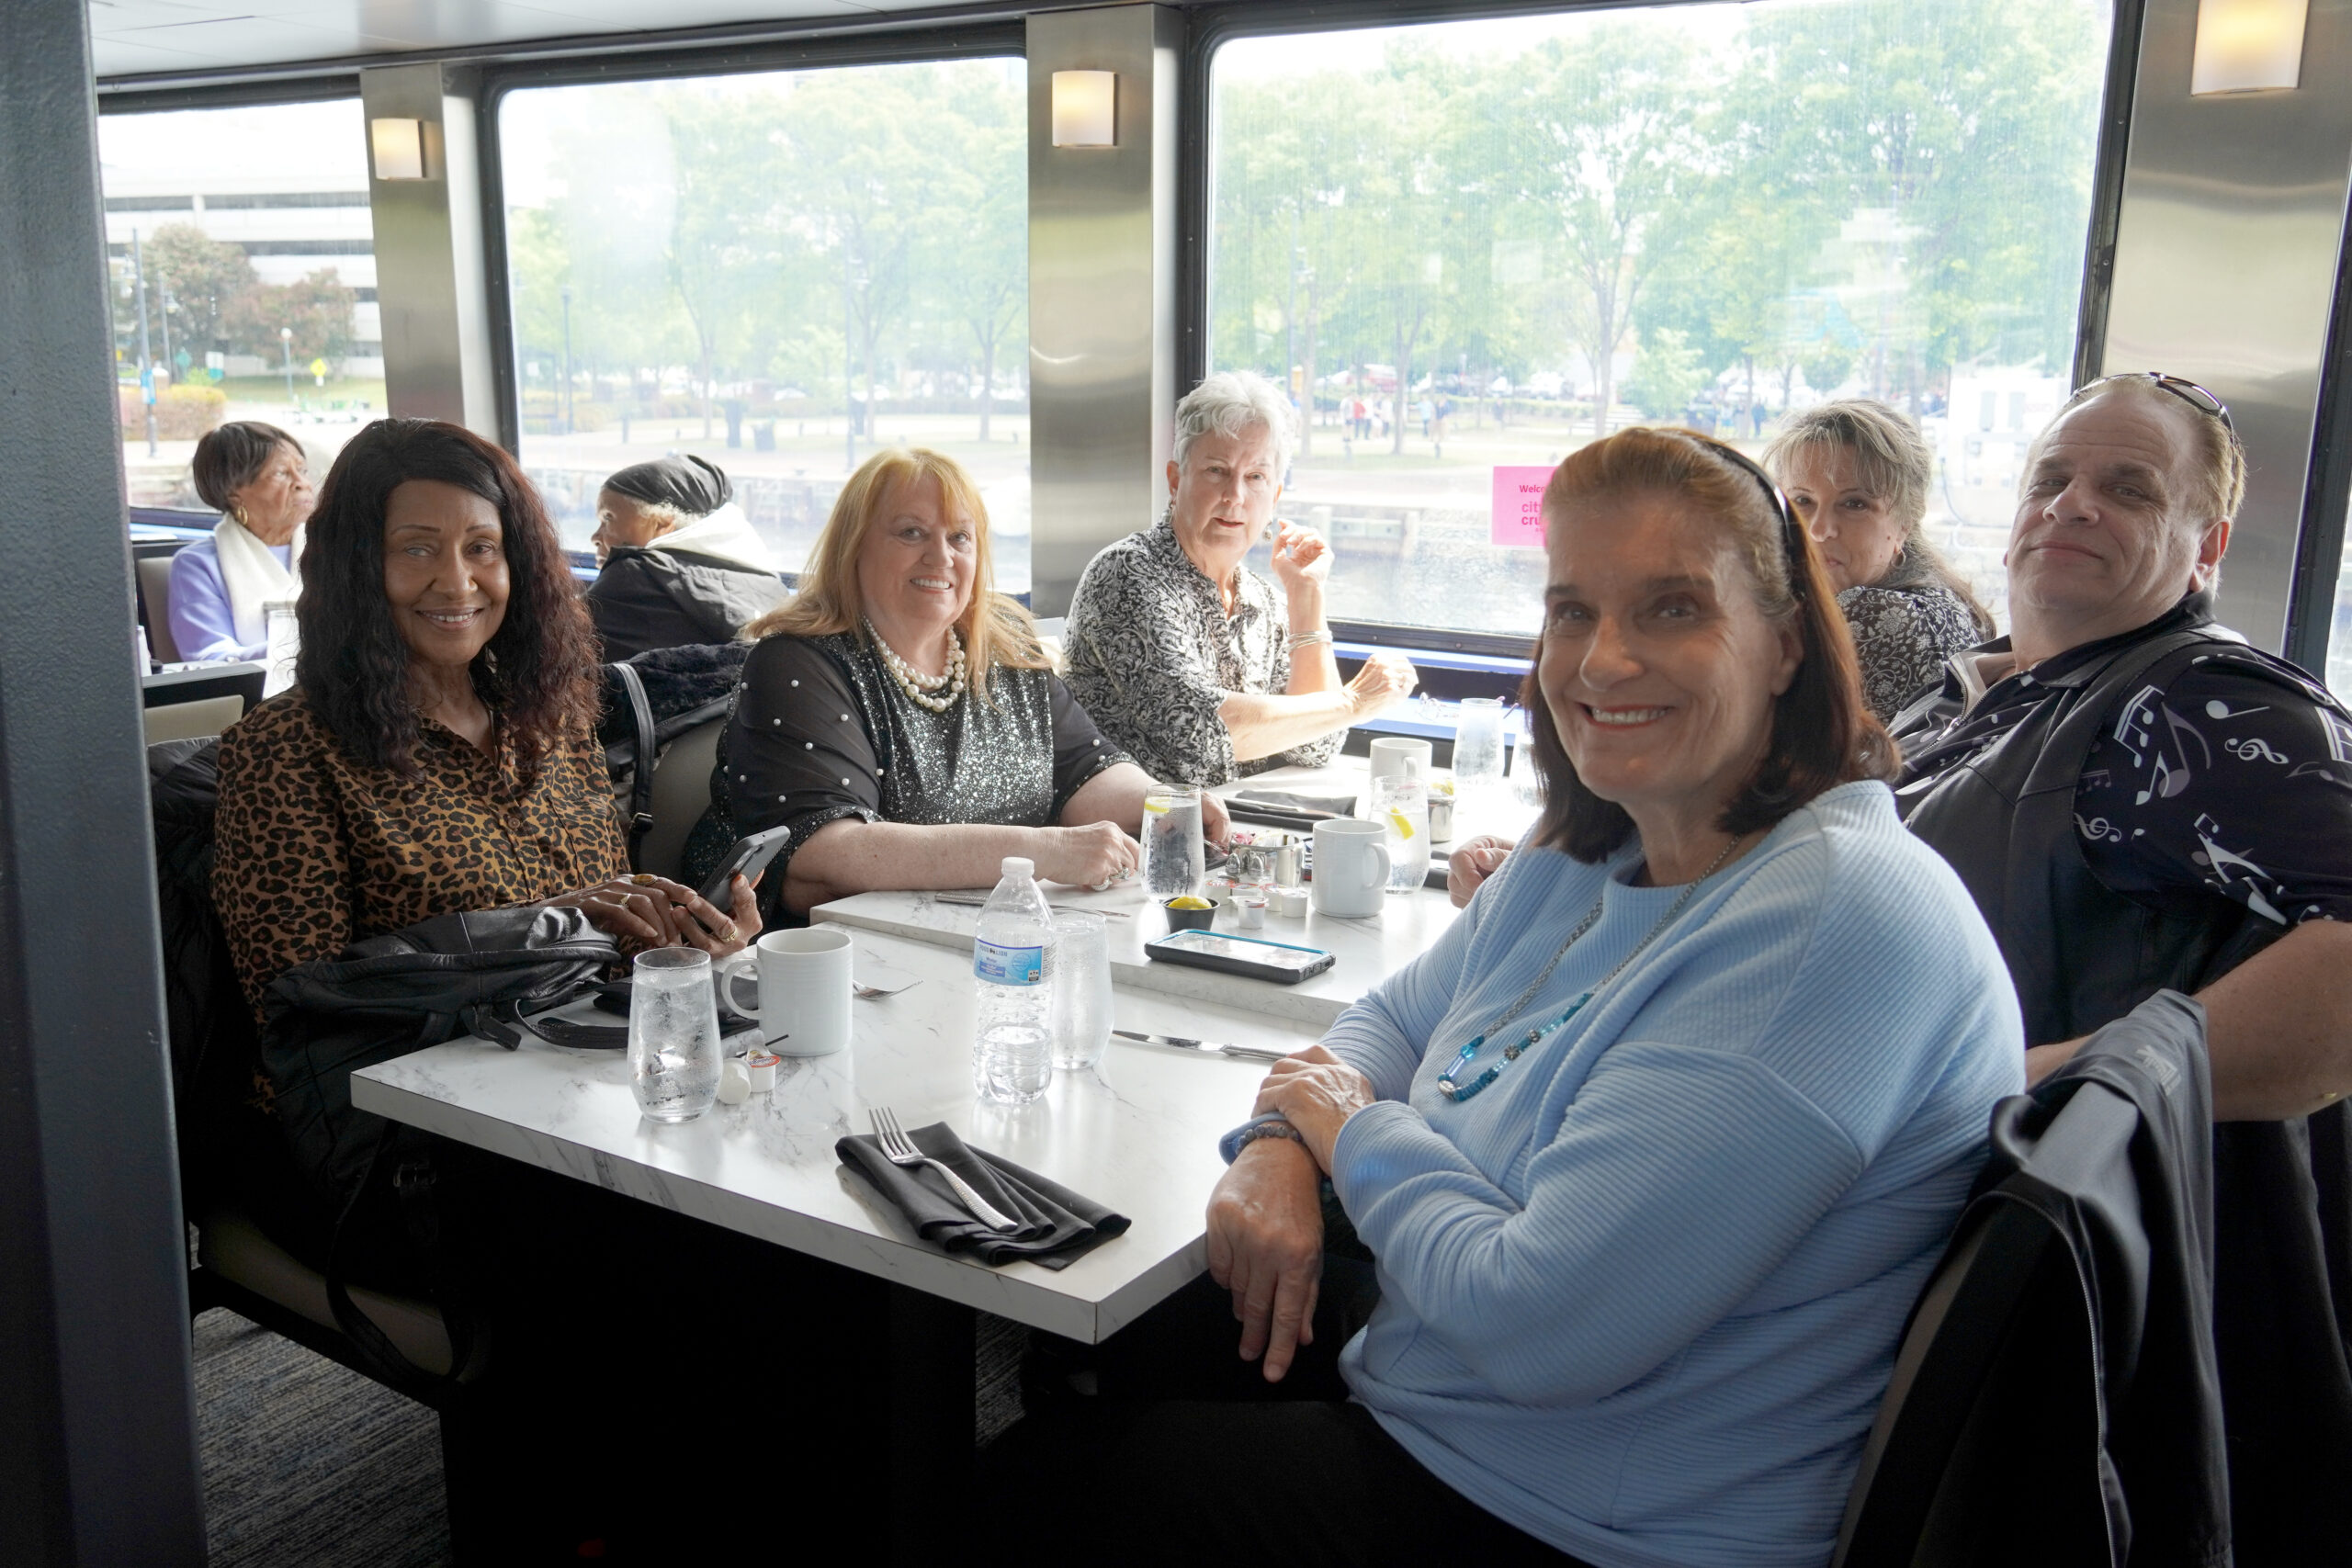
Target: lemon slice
column 1157, row 806
column 1402, row 823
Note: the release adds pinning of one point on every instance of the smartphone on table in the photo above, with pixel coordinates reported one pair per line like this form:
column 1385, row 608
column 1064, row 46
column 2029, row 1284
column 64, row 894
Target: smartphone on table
column 1283, row 962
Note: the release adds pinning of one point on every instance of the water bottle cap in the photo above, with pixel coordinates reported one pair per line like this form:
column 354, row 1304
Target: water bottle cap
column 1017, row 865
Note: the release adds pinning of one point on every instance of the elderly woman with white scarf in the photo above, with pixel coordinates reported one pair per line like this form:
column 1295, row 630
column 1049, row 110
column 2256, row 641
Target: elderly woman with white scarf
column 257, row 478
column 680, row 563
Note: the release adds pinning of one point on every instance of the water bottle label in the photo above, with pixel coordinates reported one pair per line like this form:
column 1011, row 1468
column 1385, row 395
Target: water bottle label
column 1009, row 966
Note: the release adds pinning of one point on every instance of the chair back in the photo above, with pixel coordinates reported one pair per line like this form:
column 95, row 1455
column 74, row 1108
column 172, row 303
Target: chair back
column 1986, row 1452
column 681, row 794
column 187, row 721
column 156, row 593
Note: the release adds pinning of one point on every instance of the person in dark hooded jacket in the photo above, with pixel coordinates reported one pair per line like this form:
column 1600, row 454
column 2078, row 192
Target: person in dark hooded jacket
column 680, row 563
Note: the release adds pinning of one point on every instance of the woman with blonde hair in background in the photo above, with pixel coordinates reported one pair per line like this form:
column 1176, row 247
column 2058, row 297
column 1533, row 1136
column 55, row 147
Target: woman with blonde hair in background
column 902, row 718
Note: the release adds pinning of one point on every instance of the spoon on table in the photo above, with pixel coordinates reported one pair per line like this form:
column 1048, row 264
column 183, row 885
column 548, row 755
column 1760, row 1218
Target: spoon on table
column 879, row 993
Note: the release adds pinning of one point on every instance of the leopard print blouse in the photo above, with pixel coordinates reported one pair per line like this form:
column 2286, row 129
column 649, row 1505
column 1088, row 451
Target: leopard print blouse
column 314, row 850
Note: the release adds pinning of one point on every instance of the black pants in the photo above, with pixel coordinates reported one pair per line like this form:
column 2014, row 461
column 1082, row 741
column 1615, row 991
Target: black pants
column 1187, row 1455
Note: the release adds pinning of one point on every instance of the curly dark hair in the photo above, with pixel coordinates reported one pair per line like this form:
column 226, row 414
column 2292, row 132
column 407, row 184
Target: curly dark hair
column 1823, row 733
column 538, row 672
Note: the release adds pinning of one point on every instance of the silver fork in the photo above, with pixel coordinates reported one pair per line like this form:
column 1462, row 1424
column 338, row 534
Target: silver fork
column 900, row 1149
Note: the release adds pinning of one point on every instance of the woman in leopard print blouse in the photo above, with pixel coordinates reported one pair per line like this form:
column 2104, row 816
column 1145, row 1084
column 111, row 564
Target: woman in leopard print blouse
column 438, row 751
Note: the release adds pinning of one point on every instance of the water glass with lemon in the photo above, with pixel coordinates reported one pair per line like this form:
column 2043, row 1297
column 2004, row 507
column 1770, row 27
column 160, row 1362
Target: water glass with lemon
column 1175, row 855
column 1402, row 802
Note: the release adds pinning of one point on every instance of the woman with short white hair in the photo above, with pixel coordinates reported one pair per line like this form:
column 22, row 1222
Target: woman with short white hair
column 1186, row 657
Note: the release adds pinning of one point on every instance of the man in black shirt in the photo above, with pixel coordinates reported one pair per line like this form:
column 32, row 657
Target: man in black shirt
column 2139, row 800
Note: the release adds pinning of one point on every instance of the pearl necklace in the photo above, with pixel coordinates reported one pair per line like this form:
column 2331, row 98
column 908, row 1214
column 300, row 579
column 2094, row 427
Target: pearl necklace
column 935, row 693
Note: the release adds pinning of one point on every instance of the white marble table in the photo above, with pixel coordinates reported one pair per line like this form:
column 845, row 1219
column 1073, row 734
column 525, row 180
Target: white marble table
column 1368, row 950
column 1140, row 1135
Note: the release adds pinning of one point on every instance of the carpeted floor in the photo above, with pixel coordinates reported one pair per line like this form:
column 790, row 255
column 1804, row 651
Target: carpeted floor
column 307, row 1465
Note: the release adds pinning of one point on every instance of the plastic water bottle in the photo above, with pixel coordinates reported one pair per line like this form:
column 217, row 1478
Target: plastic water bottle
column 1012, row 1044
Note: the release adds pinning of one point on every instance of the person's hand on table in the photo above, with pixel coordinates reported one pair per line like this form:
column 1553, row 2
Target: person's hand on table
column 1216, row 826
column 1385, row 680
column 1470, row 865
column 644, row 910
column 1094, row 855
column 1315, row 1092
column 1265, row 1246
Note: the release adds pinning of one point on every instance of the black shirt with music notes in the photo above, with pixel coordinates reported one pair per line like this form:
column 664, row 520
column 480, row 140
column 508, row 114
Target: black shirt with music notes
column 2233, row 779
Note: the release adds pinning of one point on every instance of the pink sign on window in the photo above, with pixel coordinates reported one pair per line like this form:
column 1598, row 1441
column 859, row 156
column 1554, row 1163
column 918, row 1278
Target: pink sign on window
column 1519, row 496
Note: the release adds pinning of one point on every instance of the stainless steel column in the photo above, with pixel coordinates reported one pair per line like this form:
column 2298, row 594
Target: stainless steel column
column 432, row 286
column 98, row 1423
column 2225, row 260
column 1101, row 293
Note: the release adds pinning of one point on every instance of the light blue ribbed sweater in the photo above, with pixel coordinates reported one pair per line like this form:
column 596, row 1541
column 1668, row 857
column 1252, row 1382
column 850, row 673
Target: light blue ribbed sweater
column 1641, row 1296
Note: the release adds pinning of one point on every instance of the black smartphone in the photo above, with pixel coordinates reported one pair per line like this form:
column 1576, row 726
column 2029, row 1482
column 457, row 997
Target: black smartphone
column 1280, row 961
column 750, row 856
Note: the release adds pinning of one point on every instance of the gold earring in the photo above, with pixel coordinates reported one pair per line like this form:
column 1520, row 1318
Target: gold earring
column 239, row 513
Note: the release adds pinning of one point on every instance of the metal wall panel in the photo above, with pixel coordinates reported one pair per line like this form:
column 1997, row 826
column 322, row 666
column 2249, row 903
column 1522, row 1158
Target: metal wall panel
column 433, row 286
column 2226, row 250
column 1102, row 294
column 97, row 1418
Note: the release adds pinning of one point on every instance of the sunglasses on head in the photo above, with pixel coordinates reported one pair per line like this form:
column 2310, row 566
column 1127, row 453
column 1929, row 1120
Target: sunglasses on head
column 2181, row 386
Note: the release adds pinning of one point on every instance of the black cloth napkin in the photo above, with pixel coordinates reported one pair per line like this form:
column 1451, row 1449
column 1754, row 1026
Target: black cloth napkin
column 1287, row 809
column 1056, row 1224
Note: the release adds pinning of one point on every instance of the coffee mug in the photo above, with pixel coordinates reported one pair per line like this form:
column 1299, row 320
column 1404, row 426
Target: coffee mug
column 1350, row 867
column 1396, row 755
column 803, row 1006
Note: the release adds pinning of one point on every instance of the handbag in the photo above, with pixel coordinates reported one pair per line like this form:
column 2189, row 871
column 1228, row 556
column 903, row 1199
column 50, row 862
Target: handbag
column 478, row 972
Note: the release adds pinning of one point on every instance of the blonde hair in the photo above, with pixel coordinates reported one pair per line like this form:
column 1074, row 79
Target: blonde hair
column 996, row 629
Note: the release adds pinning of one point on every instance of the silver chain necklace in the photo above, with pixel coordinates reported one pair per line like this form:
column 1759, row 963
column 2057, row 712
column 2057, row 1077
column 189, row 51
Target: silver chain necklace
column 1457, row 1091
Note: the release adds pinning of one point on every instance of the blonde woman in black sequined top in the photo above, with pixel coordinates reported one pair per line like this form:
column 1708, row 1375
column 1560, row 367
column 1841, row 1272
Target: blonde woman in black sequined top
column 901, row 717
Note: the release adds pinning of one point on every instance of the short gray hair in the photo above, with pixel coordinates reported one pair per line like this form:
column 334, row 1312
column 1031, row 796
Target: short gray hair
column 1234, row 403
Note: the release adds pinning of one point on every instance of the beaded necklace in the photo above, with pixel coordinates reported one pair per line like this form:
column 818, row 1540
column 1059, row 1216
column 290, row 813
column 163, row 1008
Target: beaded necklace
column 1456, row 1091
column 935, row 693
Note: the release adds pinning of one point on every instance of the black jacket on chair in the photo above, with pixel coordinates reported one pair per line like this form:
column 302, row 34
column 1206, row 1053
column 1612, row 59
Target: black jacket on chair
column 656, row 598
column 2137, row 1217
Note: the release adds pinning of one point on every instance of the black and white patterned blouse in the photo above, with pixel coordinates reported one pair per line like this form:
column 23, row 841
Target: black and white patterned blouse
column 821, row 733
column 1152, row 655
column 1904, row 628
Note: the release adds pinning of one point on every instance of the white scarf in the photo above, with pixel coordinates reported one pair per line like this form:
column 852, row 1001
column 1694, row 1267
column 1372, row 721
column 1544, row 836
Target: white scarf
column 253, row 577
column 726, row 533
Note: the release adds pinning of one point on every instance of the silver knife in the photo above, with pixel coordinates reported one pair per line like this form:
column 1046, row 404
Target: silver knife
column 1177, row 1042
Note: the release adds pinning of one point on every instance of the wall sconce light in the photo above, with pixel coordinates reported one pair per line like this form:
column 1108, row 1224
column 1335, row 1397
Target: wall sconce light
column 399, row 147
column 2248, row 46
column 1085, row 104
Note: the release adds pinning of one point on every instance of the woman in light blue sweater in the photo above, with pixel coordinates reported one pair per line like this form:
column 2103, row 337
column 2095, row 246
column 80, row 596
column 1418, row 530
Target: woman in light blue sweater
column 1656, row 1148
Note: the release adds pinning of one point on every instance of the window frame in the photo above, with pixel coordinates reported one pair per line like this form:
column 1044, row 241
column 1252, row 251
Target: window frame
column 987, row 39
column 1211, row 27
column 308, row 88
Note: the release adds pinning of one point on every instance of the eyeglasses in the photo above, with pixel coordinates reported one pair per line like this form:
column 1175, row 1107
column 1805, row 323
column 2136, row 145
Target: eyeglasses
column 2181, row 386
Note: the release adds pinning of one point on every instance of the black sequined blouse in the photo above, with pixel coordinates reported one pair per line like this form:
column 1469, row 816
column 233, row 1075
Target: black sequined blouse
column 821, row 733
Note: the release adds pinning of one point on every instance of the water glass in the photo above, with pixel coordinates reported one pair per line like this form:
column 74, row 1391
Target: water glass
column 1175, row 857
column 1402, row 802
column 1478, row 743
column 1078, row 968
column 674, row 1056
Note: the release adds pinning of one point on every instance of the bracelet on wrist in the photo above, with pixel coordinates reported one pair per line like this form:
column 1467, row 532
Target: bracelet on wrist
column 1307, row 639
column 1268, row 1127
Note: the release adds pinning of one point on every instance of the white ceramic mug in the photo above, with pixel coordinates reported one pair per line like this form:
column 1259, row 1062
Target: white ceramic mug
column 803, row 1007
column 1394, row 755
column 1350, row 867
